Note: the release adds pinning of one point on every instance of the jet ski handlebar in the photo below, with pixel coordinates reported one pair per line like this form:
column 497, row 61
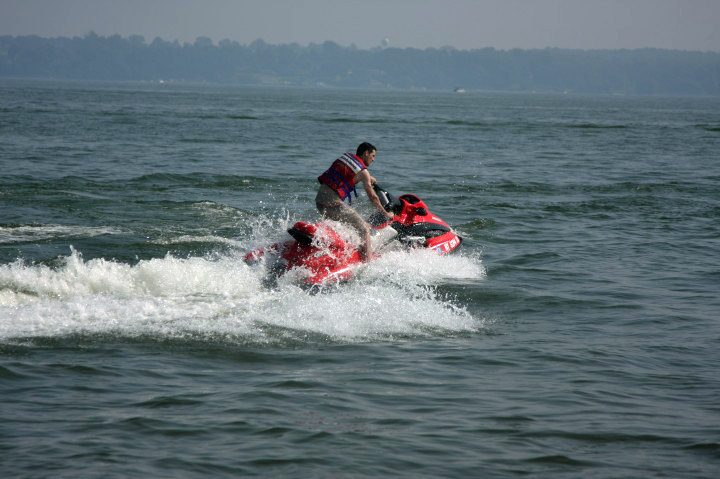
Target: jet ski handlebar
column 387, row 200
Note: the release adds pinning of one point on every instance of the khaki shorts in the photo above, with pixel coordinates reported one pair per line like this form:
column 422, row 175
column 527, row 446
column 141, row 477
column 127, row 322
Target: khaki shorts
column 332, row 207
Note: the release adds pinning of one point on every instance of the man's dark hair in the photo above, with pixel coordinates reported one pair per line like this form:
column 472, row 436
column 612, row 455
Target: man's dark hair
column 363, row 147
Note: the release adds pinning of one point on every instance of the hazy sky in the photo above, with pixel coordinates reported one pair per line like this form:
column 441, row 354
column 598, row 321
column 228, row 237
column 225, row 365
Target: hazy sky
column 464, row 24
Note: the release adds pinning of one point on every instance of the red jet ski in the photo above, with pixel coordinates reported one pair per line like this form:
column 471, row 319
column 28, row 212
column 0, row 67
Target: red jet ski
column 326, row 258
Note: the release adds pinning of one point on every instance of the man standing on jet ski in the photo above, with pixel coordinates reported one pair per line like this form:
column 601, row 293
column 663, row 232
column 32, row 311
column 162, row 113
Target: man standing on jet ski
column 336, row 186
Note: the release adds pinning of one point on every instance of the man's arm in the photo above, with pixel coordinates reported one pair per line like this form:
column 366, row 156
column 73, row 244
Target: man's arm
column 367, row 182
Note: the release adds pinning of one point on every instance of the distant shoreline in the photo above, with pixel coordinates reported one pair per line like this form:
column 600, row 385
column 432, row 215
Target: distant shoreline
column 329, row 65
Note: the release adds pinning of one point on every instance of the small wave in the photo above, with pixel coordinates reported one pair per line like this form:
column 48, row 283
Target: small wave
column 358, row 120
column 169, row 401
column 592, row 126
column 210, row 208
column 710, row 448
column 122, row 119
column 7, row 374
column 212, row 239
column 220, row 117
column 243, row 117
column 713, row 128
column 476, row 224
column 204, row 140
column 198, row 179
column 560, row 460
column 14, row 234
column 475, row 124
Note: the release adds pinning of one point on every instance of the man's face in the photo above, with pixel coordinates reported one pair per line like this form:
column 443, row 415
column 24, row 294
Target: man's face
column 368, row 157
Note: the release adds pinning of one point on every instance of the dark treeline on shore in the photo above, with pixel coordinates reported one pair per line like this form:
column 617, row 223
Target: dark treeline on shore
column 114, row 58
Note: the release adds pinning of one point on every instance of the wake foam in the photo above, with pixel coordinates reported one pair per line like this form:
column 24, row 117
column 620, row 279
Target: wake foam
column 224, row 298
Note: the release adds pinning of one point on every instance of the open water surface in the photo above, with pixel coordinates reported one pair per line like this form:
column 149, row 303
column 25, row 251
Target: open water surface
column 576, row 334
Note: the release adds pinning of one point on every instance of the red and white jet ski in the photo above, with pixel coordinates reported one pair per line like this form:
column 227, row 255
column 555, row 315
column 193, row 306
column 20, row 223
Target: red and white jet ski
column 327, row 258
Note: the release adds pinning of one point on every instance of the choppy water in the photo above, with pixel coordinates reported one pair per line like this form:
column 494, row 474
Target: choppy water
column 575, row 335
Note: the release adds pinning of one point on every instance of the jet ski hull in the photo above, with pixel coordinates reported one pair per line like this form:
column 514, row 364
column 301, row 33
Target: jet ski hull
column 322, row 257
